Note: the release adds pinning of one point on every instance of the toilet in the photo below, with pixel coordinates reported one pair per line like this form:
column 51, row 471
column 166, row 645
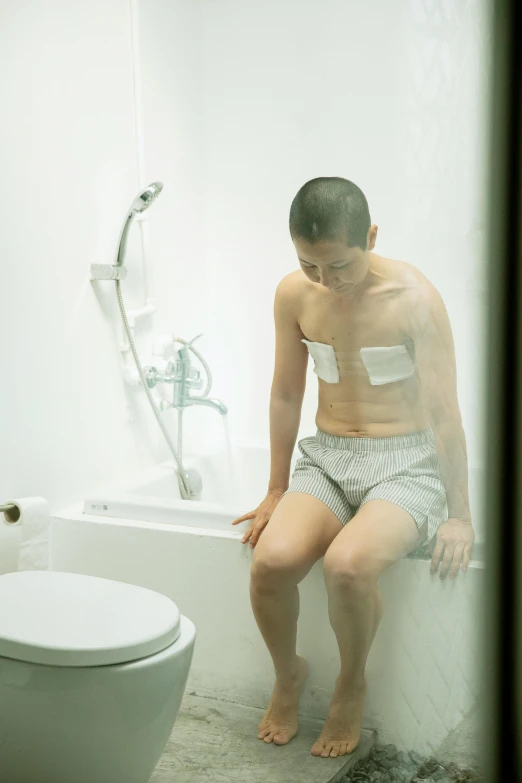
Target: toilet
column 92, row 674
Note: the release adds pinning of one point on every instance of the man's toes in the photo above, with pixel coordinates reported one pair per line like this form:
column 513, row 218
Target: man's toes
column 270, row 736
column 317, row 747
column 281, row 738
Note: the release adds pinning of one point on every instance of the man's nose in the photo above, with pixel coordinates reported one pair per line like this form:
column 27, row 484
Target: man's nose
column 326, row 280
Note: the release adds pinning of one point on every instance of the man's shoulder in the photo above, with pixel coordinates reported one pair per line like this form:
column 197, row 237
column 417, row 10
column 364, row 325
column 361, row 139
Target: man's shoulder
column 291, row 286
column 424, row 301
column 417, row 287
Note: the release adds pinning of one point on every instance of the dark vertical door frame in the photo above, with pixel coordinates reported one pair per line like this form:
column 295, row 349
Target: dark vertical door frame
column 503, row 497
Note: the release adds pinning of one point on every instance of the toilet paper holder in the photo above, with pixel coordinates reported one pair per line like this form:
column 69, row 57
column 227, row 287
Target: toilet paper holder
column 11, row 511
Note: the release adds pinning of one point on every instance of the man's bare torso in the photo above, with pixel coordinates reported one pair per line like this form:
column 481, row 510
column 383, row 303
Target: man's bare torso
column 379, row 314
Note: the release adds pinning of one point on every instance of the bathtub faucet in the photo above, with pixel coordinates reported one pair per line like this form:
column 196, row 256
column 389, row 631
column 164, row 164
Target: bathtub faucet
column 184, row 376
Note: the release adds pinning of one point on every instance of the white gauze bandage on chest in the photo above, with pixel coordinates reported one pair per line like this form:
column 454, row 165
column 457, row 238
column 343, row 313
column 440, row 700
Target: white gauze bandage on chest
column 385, row 364
column 324, row 360
column 388, row 364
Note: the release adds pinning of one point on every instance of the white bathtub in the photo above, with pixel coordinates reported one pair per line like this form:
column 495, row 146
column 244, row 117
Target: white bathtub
column 422, row 671
column 232, row 485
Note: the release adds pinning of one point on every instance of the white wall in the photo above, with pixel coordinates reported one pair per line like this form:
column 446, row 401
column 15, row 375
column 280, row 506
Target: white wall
column 69, row 172
column 69, row 169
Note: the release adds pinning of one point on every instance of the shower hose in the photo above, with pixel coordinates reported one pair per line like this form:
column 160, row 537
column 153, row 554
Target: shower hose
column 185, row 488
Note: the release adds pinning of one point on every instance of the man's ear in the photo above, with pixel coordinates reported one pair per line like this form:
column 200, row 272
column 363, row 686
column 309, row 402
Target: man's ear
column 372, row 237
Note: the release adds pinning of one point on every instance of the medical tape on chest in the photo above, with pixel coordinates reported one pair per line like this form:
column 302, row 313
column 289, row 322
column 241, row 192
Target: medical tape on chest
column 325, row 363
column 387, row 364
column 381, row 365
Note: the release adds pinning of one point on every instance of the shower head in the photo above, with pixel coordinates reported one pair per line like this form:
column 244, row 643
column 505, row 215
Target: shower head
column 142, row 202
column 145, row 199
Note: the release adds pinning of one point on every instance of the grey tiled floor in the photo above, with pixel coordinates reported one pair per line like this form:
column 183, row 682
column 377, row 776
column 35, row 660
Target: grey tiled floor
column 216, row 741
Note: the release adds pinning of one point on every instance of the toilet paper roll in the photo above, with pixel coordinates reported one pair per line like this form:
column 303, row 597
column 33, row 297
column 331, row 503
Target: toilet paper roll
column 34, row 540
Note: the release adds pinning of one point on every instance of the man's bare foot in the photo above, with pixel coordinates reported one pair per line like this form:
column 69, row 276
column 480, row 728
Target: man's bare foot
column 279, row 722
column 342, row 729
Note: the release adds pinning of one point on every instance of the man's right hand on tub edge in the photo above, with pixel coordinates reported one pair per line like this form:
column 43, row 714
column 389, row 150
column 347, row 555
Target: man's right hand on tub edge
column 261, row 516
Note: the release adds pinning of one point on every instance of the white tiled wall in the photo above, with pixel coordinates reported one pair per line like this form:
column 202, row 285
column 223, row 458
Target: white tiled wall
column 430, row 673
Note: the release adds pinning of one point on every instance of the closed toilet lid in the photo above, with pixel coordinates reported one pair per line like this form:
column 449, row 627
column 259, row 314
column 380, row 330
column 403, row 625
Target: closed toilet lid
column 62, row 619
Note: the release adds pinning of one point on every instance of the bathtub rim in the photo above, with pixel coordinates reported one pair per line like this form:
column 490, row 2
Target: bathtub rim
column 75, row 513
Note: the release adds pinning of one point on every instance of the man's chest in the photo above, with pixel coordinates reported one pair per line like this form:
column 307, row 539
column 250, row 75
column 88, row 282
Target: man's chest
column 371, row 338
column 375, row 321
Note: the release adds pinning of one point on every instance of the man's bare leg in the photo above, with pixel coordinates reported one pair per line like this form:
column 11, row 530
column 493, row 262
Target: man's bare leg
column 379, row 534
column 299, row 532
column 275, row 611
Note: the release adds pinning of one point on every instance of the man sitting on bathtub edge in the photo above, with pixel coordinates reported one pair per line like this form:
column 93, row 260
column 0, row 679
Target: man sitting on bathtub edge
column 386, row 472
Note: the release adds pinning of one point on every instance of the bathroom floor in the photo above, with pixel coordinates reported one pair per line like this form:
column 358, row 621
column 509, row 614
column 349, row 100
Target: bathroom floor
column 217, row 741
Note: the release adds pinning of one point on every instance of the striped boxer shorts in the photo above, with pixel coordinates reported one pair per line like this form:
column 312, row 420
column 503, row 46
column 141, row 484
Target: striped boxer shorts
column 345, row 473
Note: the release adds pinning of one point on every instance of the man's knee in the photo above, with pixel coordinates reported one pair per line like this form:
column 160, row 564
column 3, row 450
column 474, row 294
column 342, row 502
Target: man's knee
column 351, row 567
column 279, row 563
